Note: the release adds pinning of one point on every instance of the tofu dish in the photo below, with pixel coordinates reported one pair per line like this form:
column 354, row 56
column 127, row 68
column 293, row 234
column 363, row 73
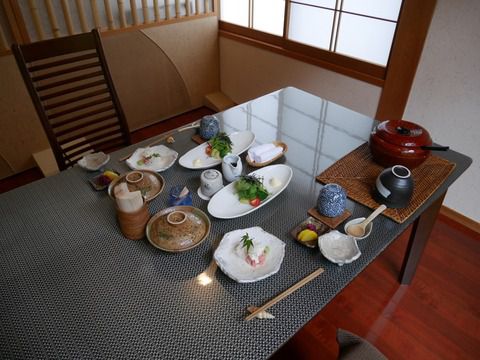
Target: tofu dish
column 254, row 252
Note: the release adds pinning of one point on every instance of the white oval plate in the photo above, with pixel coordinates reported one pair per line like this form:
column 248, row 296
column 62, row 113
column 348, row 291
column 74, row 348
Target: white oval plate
column 237, row 268
column 226, row 205
column 339, row 248
column 168, row 158
column 241, row 141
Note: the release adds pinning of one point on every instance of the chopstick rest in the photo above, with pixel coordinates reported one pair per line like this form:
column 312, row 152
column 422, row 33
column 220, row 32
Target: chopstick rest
column 284, row 294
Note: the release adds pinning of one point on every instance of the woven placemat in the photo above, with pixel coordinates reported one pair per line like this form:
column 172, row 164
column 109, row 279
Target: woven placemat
column 356, row 173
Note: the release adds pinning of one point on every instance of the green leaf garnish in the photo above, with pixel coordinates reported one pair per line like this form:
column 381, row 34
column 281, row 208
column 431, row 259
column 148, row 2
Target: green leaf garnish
column 221, row 143
column 247, row 242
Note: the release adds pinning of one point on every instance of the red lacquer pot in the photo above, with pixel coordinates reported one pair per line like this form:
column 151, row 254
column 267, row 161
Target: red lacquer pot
column 400, row 142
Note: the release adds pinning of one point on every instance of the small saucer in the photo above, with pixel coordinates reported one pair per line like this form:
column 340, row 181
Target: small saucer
column 202, row 196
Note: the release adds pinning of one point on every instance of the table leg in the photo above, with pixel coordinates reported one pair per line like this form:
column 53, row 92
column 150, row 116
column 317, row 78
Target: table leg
column 422, row 227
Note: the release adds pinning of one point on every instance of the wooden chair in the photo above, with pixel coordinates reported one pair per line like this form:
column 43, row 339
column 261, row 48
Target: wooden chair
column 73, row 93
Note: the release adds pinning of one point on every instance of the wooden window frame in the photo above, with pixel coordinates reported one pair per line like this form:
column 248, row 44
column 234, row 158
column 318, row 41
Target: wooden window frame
column 395, row 79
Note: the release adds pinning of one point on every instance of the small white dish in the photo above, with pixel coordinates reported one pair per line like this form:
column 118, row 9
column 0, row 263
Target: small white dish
column 236, row 267
column 160, row 163
column 226, row 205
column 94, row 161
column 202, row 195
column 339, row 248
column 368, row 229
column 197, row 158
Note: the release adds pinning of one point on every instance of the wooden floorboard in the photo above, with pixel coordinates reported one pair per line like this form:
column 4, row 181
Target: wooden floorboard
column 436, row 317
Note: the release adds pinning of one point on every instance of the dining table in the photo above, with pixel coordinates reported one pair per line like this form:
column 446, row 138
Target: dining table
column 72, row 286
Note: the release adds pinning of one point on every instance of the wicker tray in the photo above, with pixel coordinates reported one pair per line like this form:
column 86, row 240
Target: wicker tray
column 356, row 173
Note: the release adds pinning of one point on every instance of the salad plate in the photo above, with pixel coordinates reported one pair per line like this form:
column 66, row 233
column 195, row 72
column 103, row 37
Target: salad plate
column 197, row 157
column 156, row 158
column 225, row 204
column 230, row 255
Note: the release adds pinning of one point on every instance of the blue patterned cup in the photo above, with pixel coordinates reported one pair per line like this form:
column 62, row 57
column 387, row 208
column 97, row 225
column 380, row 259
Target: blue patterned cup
column 332, row 200
column 209, row 127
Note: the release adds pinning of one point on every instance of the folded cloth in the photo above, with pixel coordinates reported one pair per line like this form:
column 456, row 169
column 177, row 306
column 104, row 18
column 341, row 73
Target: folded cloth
column 264, row 152
column 127, row 201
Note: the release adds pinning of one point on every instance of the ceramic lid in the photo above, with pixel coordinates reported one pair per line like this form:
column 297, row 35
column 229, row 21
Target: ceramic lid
column 180, row 233
column 403, row 133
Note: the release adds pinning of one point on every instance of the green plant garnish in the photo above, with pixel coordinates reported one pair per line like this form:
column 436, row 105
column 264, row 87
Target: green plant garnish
column 144, row 160
column 249, row 187
column 247, row 242
column 221, row 145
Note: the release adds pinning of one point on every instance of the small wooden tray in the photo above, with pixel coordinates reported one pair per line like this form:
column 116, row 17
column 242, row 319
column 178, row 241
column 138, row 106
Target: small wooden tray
column 330, row 222
column 198, row 139
column 321, row 229
column 276, row 143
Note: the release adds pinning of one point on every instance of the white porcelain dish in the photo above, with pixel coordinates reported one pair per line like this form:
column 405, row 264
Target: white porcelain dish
column 94, row 161
column 339, row 248
column 226, row 205
column 160, row 163
column 198, row 159
column 368, row 229
column 235, row 267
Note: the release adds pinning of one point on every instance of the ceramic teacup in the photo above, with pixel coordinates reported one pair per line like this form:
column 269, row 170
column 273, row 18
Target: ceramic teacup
column 210, row 182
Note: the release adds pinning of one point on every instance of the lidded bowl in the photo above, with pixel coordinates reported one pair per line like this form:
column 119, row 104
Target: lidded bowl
column 400, row 142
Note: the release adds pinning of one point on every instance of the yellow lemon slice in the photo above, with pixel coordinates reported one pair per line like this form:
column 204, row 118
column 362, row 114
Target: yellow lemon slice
column 307, row 235
column 110, row 174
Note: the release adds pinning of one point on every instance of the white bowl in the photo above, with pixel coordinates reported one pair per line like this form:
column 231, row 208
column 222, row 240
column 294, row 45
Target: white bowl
column 368, row 229
column 339, row 248
column 94, row 161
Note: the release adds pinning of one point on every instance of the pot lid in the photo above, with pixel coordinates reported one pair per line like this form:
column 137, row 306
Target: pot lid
column 403, row 133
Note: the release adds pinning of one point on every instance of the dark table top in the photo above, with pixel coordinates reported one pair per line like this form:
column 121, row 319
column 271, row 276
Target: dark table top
column 73, row 287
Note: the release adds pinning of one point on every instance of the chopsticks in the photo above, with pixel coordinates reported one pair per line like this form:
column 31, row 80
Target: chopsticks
column 287, row 292
column 195, row 124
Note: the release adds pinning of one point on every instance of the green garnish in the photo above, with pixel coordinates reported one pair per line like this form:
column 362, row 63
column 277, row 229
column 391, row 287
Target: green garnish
column 249, row 187
column 247, row 241
column 144, row 160
column 221, row 145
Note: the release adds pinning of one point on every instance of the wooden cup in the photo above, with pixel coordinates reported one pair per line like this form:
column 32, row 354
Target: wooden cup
column 133, row 224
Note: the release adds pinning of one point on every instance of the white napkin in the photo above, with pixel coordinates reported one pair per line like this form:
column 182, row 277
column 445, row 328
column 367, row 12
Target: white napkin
column 264, row 152
column 127, row 201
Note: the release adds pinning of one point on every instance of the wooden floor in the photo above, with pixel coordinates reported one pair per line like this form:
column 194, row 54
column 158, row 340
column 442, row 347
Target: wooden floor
column 437, row 317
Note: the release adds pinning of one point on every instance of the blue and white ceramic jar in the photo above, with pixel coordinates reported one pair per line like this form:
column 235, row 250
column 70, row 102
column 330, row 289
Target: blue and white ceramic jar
column 209, row 127
column 332, row 200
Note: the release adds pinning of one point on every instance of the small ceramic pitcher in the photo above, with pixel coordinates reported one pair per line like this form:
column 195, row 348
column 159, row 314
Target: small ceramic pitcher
column 210, row 182
column 231, row 167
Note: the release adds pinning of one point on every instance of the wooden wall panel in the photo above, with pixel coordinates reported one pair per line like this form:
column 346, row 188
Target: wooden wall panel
column 158, row 73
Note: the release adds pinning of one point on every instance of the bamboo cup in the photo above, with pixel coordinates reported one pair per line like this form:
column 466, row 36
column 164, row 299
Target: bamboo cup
column 133, row 224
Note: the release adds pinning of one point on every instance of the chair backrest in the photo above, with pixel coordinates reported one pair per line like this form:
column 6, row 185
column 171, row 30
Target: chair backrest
column 73, row 93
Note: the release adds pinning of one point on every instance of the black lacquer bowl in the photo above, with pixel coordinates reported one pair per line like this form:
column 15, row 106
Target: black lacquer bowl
column 394, row 187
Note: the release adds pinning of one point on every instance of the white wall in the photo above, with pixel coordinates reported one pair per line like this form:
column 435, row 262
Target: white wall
column 247, row 72
column 445, row 97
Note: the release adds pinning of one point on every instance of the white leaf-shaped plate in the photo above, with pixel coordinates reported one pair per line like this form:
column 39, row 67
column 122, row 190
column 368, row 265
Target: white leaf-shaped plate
column 94, row 161
column 226, row 205
column 166, row 159
column 236, row 267
column 197, row 158
column 339, row 248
